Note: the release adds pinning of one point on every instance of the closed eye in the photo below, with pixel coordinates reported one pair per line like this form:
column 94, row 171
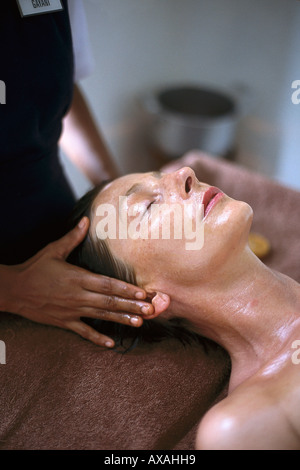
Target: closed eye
column 150, row 204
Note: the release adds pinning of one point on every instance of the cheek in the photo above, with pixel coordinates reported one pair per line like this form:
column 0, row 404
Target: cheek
column 145, row 256
column 225, row 234
column 156, row 260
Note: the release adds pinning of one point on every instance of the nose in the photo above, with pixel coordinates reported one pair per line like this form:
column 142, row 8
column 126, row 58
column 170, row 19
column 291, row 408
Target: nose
column 185, row 179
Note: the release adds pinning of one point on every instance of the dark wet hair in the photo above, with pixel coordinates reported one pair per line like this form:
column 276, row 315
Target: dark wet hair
column 95, row 255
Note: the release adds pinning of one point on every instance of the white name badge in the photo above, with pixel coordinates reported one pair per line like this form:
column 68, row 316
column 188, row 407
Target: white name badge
column 38, row 7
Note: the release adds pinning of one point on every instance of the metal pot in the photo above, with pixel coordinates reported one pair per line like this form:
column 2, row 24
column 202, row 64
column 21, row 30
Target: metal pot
column 186, row 118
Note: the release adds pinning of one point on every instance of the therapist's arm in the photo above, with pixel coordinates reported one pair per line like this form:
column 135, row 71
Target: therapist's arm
column 46, row 289
column 82, row 142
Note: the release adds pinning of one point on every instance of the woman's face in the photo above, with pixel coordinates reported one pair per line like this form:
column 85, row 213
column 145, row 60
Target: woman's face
column 210, row 227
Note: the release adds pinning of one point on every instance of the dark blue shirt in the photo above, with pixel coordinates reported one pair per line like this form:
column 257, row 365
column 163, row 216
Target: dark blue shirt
column 36, row 64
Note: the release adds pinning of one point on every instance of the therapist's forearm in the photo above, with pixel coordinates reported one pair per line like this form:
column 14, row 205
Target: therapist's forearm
column 83, row 143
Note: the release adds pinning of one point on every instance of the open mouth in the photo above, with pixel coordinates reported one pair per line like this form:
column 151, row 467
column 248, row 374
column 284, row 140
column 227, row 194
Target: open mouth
column 210, row 199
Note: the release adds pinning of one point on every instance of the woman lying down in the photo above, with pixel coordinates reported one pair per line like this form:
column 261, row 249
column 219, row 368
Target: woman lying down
column 216, row 288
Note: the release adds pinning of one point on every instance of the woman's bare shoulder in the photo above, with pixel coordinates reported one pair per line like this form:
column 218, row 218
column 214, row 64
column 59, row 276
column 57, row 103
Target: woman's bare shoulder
column 254, row 416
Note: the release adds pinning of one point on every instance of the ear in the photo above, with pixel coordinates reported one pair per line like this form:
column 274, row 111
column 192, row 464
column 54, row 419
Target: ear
column 160, row 303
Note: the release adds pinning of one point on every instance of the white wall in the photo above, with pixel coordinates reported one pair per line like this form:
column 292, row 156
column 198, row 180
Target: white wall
column 142, row 44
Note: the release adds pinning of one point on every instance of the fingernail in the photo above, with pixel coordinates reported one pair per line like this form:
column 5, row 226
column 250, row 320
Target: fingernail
column 139, row 295
column 145, row 309
column 109, row 344
column 134, row 320
column 82, row 222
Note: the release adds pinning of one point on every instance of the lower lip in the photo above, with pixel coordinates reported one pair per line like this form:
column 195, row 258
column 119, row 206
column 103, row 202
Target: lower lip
column 212, row 203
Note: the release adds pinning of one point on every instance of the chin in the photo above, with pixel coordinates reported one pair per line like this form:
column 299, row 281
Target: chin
column 246, row 214
column 227, row 232
column 240, row 225
column 230, row 214
column 240, row 217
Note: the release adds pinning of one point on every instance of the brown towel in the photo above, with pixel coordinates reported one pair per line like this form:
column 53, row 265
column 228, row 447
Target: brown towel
column 59, row 391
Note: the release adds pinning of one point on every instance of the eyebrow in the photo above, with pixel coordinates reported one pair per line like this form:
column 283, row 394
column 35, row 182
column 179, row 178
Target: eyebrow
column 140, row 186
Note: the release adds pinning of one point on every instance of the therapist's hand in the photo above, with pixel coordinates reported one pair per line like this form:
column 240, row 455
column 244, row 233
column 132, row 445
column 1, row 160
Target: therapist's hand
column 48, row 290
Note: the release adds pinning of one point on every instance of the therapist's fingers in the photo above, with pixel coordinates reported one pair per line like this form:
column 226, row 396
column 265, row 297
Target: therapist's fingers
column 87, row 332
column 112, row 303
column 116, row 317
column 110, row 286
column 97, row 283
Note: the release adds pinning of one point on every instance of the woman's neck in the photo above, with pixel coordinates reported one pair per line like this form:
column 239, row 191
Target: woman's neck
column 252, row 312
